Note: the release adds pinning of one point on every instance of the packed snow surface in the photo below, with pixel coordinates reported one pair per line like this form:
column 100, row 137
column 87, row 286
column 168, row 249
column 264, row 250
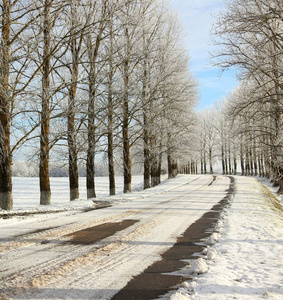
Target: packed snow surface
column 248, row 258
column 243, row 258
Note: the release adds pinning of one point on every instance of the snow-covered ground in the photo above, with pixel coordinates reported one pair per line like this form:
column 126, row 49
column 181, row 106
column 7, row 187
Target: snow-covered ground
column 247, row 260
column 26, row 193
column 243, row 258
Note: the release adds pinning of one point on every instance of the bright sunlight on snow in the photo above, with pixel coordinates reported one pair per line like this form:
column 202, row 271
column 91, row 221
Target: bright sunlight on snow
column 242, row 259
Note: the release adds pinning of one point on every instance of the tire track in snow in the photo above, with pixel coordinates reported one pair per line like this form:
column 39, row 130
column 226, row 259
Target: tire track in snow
column 44, row 273
column 23, row 240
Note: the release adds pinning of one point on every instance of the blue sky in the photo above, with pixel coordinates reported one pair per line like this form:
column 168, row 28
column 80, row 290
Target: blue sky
column 197, row 17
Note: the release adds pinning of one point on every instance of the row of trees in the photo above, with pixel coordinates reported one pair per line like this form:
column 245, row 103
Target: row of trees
column 81, row 78
column 250, row 36
column 245, row 130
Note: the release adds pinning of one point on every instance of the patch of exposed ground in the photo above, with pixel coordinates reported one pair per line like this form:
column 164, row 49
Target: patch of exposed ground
column 96, row 233
column 156, row 280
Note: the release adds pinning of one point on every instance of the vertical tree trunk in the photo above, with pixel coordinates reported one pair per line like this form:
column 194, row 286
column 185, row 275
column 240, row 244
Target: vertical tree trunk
column 226, row 158
column 201, row 164
column 45, row 192
column 6, row 198
column 259, row 164
column 251, row 162
column 154, row 172
column 73, row 160
column 154, row 162
column 263, row 166
column 210, row 161
column 223, row 160
column 126, row 118
column 90, row 170
column 229, row 158
column 247, row 167
column 110, row 139
column 235, row 165
column 146, row 173
column 159, row 167
column 72, row 143
column 280, row 181
column 126, row 142
column 93, row 48
column 204, row 161
column 111, row 169
column 242, row 161
column 146, row 141
column 170, row 169
column 255, row 161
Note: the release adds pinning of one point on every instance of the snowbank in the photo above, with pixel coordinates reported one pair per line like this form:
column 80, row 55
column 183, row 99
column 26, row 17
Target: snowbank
column 246, row 262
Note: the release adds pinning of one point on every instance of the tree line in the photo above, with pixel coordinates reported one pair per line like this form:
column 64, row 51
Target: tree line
column 245, row 130
column 81, row 78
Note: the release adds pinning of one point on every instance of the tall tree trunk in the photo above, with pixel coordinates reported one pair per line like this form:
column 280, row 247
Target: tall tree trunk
column 72, row 140
column 260, row 167
column 6, row 198
column 45, row 192
column 111, row 169
column 90, row 169
column 158, row 177
column 226, row 158
column 235, row 164
column 93, row 48
column 229, row 157
column 251, row 162
column 242, row 160
column 146, row 140
column 73, row 160
column 126, row 118
column 170, row 167
column 210, row 161
column 247, row 167
column 204, row 161
column 159, row 164
column 280, row 181
column 146, row 172
column 110, row 139
column 126, row 143
column 154, row 171
column 201, row 163
column 255, row 160
column 223, row 160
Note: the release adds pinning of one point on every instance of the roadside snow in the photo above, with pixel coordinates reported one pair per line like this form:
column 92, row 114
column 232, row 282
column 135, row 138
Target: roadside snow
column 243, row 258
column 247, row 260
column 26, row 194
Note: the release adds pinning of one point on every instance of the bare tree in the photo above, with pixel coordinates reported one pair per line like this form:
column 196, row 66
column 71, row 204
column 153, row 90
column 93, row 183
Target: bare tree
column 75, row 44
column 249, row 35
column 93, row 41
column 6, row 199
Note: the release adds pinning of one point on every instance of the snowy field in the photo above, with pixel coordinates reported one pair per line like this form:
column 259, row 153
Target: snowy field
column 243, row 257
column 26, row 193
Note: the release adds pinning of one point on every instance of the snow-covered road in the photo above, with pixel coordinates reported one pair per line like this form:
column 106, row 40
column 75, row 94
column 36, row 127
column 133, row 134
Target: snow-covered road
column 92, row 254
